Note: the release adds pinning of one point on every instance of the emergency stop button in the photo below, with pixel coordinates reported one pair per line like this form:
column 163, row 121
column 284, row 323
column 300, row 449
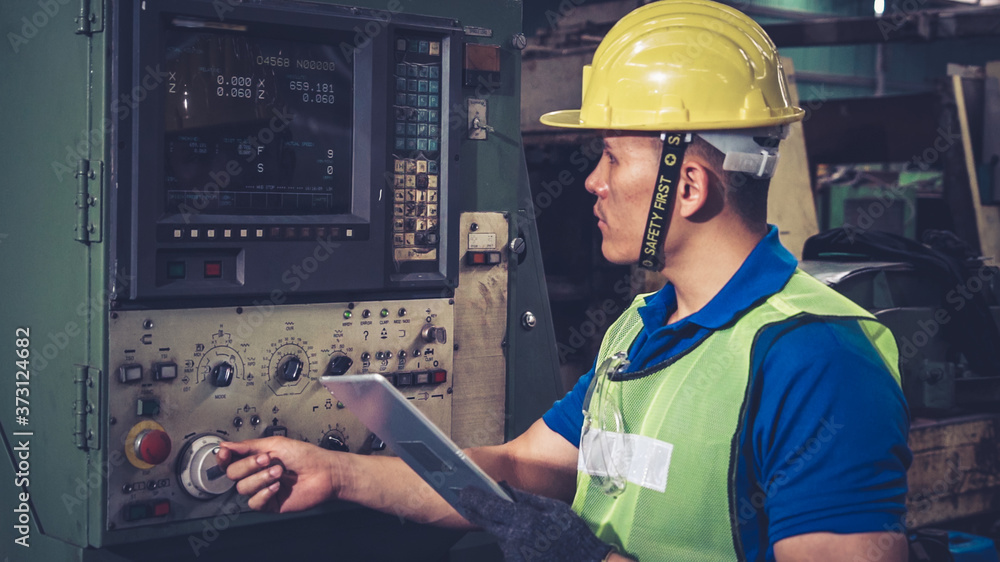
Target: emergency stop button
column 147, row 445
column 152, row 446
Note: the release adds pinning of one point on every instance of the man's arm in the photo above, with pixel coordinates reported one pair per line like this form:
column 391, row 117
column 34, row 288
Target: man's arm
column 830, row 547
column 831, row 442
column 286, row 475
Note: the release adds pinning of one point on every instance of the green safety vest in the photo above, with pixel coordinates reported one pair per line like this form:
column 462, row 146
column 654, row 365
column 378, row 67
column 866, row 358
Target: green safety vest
column 683, row 419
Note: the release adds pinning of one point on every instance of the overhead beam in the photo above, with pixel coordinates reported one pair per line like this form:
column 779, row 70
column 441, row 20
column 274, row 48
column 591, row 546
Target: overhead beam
column 894, row 26
column 918, row 26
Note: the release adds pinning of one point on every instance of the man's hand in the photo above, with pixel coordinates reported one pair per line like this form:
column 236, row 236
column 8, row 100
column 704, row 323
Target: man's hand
column 533, row 527
column 281, row 474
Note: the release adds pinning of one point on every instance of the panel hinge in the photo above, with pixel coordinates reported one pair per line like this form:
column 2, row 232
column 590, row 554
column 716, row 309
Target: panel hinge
column 87, row 22
column 90, row 182
column 86, row 427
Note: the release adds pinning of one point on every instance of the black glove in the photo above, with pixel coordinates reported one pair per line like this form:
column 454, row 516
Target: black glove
column 532, row 527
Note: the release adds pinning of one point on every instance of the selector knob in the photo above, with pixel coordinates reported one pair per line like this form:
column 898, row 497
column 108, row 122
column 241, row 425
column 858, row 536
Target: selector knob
column 222, row 374
column 339, row 365
column 333, row 442
column 152, row 446
column 198, row 471
column 290, row 370
column 433, row 334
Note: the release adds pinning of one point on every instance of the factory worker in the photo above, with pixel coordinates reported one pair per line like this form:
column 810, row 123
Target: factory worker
column 743, row 412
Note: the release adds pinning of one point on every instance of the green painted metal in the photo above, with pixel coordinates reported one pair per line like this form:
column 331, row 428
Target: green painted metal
column 876, row 196
column 56, row 276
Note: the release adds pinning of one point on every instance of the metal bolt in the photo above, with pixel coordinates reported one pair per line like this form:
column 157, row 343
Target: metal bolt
column 518, row 41
column 528, row 320
column 518, row 245
column 147, row 325
column 474, row 227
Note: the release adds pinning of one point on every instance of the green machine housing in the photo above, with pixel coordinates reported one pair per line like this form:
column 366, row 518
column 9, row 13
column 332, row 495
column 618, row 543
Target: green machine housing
column 208, row 205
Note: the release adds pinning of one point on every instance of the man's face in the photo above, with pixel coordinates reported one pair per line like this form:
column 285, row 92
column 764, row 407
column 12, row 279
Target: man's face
column 623, row 182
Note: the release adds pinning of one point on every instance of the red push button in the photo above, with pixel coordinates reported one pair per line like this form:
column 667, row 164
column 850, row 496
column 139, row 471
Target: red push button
column 213, row 269
column 152, row 446
column 439, row 376
column 482, row 258
column 161, row 508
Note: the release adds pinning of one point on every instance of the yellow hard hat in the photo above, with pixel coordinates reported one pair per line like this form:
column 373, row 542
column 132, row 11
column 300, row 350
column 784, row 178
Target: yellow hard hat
column 682, row 65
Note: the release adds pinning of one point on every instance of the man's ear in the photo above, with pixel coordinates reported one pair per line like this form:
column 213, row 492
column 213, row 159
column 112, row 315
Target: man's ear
column 695, row 197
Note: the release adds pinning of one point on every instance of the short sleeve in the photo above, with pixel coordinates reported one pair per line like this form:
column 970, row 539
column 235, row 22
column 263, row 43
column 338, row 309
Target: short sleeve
column 565, row 417
column 829, row 436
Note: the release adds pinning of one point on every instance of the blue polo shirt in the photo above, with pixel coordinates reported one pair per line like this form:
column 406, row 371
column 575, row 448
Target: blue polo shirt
column 824, row 446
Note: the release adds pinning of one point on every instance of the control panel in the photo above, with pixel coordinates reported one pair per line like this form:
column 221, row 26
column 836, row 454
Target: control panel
column 183, row 381
column 416, row 145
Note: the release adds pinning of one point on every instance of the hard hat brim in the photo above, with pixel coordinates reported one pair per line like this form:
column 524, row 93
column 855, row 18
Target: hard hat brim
column 570, row 119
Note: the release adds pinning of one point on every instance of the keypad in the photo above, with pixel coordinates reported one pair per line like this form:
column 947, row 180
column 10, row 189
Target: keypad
column 417, row 130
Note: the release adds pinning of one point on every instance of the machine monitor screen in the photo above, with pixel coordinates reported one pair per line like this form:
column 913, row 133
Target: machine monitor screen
column 256, row 125
column 274, row 135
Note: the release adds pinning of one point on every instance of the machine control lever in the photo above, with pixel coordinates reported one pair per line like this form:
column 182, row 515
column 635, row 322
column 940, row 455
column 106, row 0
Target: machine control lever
column 222, row 374
column 291, row 370
column 340, row 365
column 434, row 334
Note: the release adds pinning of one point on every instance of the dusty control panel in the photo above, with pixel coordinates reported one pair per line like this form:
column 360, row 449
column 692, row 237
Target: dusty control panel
column 184, row 380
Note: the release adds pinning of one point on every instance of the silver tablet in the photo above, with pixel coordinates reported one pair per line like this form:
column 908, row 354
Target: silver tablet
column 411, row 435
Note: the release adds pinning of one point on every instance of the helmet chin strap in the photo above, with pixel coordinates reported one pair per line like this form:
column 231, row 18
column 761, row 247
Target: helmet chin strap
column 651, row 254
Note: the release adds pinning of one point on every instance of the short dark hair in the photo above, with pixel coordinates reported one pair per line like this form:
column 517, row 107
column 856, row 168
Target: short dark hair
column 745, row 193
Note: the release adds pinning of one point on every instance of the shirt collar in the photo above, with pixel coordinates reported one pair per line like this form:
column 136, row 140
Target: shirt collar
column 765, row 271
